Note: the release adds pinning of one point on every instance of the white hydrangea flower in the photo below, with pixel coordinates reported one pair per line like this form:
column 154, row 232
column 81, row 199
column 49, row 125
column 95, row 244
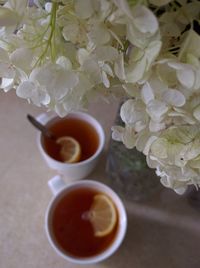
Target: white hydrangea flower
column 175, row 151
column 62, row 54
column 137, row 69
column 7, row 71
column 34, row 92
column 126, row 135
column 47, row 84
column 178, row 179
column 74, row 99
column 133, row 114
column 96, row 64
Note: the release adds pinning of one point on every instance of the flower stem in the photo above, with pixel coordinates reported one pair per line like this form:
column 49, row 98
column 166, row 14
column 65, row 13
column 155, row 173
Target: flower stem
column 50, row 43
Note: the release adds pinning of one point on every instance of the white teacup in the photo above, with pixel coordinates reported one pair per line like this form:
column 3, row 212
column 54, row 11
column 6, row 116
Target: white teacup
column 60, row 190
column 79, row 170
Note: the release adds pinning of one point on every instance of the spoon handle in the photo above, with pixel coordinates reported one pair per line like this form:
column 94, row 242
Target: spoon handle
column 41, row 127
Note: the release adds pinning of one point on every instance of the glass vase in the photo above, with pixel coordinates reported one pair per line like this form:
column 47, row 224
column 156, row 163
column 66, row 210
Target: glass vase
column 128, row 172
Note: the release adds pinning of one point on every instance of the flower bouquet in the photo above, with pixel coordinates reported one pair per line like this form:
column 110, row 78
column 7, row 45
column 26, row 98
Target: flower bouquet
column 63, row 53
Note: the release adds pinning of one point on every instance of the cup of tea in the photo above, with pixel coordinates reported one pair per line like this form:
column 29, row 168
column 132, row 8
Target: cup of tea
column 85, row 221
column 82, row 129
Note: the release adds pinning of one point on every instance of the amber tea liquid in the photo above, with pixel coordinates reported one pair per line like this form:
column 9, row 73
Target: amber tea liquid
column 72, row 232
column 79, row 129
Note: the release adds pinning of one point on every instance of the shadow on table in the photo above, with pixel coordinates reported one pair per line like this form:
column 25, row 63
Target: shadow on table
column 161, row 233
column 154, row 244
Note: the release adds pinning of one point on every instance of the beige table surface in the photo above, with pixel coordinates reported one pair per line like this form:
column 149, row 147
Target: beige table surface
column 162, row 233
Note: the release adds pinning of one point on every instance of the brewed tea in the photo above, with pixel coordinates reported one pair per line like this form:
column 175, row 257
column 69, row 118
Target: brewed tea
column 76, row 128
column 73, row 233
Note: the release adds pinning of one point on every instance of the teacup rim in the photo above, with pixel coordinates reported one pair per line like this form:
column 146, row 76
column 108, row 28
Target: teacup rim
column 49, row 117
column 122, row 222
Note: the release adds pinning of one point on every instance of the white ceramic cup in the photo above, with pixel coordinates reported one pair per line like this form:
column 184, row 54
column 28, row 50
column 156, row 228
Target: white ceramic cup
column 59, row 188
column 79, row 170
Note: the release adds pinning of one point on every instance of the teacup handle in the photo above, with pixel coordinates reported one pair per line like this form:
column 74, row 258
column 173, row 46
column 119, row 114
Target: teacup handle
column 56, row 184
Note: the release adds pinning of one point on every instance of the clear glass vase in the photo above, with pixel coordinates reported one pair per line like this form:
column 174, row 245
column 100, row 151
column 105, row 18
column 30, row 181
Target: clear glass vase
column 128, row 172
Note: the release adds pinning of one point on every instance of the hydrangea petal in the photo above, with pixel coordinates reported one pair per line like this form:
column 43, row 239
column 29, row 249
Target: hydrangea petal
column 147, row 93
column 159, row 148
column 196, row 113
column 6, row 84
column 22, row 58
column 59, row 109
column 64, row 63
column 131, row 90
column 7, row 70
column 156, row 109
column 59, row 80
column 152, row 51
column 4, row 55
column 142, row 140
column 185, row 74
column 148, row 144
column 18, row 5
column 174, row 97
column 8, row 17
column 99, row 35
column 82, row 55
column 108, row 70
column 192, row 149
column 187, row 117
column 117, row 132
column 156, row 126
column 183, row 134
column 167, row 74
column 119, row 67
column 151, row 162
column 144, row 19
column 129, row 138
column 191, row 45
column 84, row 9
column 195, row 163
column 180, row 190
column 140, row 125
column 105, row 80
column 123, row 6
column 186, row 77
column 92, row 68
column 25, row 90
column 135, row 71
column 72, row 32
column 131, row 112
column 106, row 53
column 74, row 99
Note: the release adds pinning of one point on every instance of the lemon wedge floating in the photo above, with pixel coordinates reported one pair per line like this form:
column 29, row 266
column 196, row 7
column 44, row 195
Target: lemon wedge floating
column 70, row 151
column 103, row 215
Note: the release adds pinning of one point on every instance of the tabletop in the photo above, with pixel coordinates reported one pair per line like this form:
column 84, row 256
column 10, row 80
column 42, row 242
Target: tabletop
column 162, row 232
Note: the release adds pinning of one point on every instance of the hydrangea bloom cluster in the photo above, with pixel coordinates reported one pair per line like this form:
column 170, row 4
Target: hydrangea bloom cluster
column 61, row 53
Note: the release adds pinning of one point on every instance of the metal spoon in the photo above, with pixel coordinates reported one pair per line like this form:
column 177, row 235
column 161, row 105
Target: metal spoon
column 45, row 131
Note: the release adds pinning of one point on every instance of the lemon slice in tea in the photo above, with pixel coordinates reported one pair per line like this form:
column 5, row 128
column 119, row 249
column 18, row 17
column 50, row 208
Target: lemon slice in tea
column 70, row 151
column 103, row 215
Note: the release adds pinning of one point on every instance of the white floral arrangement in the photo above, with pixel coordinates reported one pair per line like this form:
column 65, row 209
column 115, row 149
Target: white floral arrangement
column 62, row 53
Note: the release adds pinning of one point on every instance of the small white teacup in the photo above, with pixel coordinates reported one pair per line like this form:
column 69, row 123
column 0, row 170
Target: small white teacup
column 72, row 239
column 81, row 169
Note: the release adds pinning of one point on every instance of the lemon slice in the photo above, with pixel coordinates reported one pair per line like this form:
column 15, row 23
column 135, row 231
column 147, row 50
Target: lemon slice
column 70, row 151
column 103, row 215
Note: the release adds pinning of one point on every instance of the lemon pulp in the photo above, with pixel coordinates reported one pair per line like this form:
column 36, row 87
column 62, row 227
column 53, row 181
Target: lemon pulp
column 102, row 215
column 70, row 151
